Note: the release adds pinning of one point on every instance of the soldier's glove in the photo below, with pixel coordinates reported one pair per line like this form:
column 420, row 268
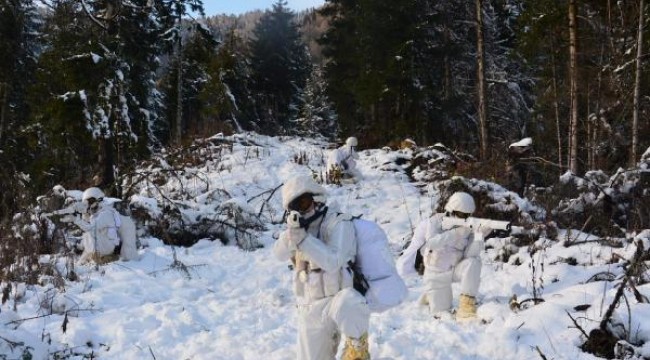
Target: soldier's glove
column 481, row 233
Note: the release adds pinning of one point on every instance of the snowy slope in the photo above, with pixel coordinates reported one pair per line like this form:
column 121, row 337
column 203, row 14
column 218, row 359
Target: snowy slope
column 212, row 301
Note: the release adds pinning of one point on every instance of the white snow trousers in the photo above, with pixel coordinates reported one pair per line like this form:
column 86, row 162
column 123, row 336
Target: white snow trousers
column 439, row 294
column 322, row 322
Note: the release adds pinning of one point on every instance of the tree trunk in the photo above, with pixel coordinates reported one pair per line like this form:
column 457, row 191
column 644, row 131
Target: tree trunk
column 556, row 107
column 588, row 125
column 637, row 87
column 4, row 91
column 447, row 65
column 573, row 75
column 482, row 104
column 179, row 92
column 593, row 139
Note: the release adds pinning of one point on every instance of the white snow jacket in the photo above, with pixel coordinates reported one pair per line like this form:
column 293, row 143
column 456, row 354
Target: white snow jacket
column 441, row 250
column 100, row 232
column 322, row 257
column 344, row 157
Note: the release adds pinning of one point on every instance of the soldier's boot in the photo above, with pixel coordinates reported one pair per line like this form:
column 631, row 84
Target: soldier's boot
column 466, row 308
column 356, row 349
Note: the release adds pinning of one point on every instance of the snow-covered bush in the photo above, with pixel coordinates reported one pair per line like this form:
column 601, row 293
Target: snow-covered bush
column 601, row 204
column 174, row 199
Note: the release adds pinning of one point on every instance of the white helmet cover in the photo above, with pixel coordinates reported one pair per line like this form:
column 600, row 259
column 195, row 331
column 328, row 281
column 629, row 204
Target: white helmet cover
column 461, row 202
column 299, row 185
column 92, row 193
column 351, row 141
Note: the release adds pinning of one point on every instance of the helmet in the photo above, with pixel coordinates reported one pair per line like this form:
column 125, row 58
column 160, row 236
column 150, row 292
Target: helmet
column 461, row 202
column 58, row 190
column 301, row 185
column 92, row 193
column 351, row 141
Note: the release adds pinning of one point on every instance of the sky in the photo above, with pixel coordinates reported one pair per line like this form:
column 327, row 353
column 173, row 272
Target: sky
column 217, row 302
column 214, row 7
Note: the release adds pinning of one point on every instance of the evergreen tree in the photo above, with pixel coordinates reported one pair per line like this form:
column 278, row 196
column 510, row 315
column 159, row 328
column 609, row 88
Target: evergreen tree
column 173, row 13
column 317, row 117
column 18, row 48
column 198, row 51
column 227, row 98
column 405, row 72
column 97, row 100
column 340, row 46
column 508, row 82
column 279, row 67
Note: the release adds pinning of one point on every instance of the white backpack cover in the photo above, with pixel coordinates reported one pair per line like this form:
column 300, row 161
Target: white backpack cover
column 126, row 230
column 375, row 261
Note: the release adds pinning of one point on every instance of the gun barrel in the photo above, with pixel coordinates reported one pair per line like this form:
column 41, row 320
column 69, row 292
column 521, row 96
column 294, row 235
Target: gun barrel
column 475, row 223
column 61, row 212
column 517, row 230
column 493, row 224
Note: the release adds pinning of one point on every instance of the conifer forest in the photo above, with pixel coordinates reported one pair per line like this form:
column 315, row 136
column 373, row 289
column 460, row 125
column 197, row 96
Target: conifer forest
column 121, row 93
column 89, row 88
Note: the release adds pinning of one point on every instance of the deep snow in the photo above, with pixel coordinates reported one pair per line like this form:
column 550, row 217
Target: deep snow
column 232, row 304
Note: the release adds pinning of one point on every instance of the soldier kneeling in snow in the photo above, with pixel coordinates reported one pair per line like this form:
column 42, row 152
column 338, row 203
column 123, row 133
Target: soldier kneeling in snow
column 107, row 234
column 343, row 161
column 321, row 245
column 448, row 255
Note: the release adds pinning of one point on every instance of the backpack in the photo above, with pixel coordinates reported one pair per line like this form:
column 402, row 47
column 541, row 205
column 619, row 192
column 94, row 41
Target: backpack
column 128, row 237
column 374, row 272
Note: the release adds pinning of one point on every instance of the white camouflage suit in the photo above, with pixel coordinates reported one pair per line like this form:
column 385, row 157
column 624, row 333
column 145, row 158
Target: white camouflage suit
column 449, row 256
column 328, row 305
column 345, row 158
column 100, row 232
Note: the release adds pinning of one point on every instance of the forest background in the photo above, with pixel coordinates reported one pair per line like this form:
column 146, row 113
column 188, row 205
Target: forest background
column 88, row 89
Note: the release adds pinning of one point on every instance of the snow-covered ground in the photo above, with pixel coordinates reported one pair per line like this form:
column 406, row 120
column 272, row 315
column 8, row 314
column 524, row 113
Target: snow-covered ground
column 220, row 302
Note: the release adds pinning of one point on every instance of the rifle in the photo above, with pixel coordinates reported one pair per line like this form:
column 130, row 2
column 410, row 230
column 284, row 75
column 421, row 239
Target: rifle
column 474, row 223
column 293, row 219
column 74, row 209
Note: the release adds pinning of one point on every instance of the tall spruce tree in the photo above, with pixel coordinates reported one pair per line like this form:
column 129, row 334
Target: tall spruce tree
column 97, row 100
column 508, row 82
column 317, row 117
column 405, row 72
column 279, row 67
column 18, row 48
column 227, row 99
column 199, row 49
column 173, row 14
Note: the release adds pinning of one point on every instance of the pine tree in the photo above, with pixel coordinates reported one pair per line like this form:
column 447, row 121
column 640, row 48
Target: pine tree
column 405, row 70
column 227, row 98
column 96, row 96
column 18, row 48
column 317, row 117
column 279, row 67
column 172, row 13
